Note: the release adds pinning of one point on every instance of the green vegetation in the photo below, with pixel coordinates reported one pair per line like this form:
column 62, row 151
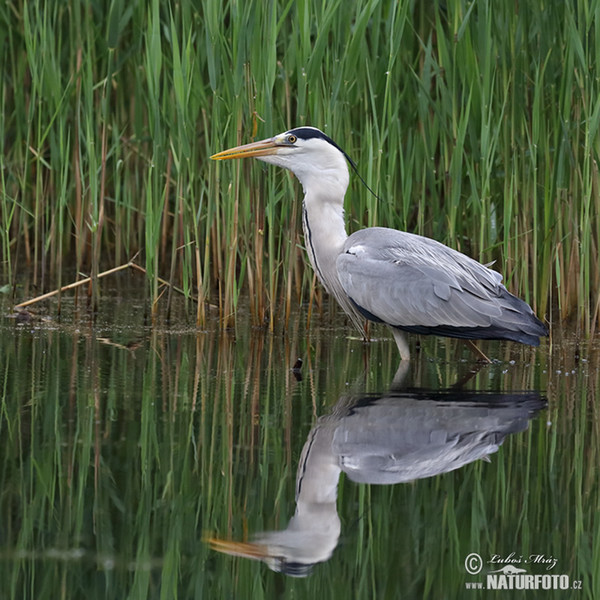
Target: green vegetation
column 476, row 122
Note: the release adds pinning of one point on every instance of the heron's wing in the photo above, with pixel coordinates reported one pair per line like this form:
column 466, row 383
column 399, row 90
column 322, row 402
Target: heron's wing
column 408, row 280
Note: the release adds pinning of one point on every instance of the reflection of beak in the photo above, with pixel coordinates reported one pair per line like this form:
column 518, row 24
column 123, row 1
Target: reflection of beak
column 244, row 549
column 262, row 148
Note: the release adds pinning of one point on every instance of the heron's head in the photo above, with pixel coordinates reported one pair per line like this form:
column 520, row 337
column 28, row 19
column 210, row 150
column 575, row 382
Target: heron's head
column 306, row 151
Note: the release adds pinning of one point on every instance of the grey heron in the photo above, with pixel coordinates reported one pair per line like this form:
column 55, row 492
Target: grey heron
column 409, row 282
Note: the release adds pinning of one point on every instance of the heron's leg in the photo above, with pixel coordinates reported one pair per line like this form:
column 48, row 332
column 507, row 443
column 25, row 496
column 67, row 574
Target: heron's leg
column 400, row 376
column 402, row 343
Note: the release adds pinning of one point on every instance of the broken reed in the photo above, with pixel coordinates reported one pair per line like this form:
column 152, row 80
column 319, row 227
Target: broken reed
column 476, row 123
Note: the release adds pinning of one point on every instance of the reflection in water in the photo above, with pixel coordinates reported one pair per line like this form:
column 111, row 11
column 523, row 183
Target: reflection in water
column 382, row 439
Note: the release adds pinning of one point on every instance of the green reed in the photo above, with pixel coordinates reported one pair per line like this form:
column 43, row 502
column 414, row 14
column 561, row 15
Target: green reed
column 475, row 123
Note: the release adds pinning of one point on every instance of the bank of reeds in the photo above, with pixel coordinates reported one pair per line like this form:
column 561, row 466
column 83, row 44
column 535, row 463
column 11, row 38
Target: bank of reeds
column 476, row 123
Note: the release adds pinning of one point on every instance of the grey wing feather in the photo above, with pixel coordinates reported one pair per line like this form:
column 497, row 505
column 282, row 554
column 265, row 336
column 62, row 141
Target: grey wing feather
column 406, row 280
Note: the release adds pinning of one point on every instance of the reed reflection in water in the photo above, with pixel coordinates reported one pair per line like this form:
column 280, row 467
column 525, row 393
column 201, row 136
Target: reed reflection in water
column 123, row 442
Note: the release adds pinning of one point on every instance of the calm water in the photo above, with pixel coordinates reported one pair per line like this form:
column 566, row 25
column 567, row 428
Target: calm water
column 131, row 453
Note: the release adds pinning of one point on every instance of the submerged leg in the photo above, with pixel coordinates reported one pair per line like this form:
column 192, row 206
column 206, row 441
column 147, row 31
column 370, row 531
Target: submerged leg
column 402, row 343
column 400, row 376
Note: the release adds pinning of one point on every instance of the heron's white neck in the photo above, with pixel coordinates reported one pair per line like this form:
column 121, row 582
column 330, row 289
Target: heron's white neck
column 324, row 236
column 323, row 220
column 325, row 180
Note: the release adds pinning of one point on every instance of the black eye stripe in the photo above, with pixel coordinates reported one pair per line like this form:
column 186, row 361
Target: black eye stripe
column 307, row 133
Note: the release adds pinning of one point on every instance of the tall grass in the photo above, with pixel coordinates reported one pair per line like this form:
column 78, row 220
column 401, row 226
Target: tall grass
column 476, row 123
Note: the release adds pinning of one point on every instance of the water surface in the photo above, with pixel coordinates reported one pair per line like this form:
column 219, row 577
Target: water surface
column 127, row 444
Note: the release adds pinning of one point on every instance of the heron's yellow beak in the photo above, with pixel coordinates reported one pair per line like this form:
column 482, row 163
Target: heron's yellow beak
column 262, row 148
column 243, row 549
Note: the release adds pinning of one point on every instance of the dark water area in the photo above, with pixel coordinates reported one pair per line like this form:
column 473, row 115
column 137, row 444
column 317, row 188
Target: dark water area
column 138, row 457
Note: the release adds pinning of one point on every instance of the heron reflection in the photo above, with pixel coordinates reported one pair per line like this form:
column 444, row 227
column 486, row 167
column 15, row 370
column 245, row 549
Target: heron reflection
column 382, row 439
